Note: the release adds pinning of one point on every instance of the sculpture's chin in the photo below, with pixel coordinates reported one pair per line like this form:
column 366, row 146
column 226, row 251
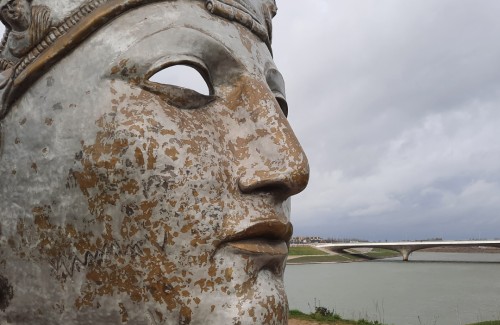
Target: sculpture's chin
column 246, row 289
column 260, row 301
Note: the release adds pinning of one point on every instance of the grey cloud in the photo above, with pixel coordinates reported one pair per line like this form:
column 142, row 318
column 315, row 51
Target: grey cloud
column 396, row 105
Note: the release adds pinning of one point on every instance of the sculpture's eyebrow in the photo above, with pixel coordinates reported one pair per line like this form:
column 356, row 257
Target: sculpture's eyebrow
column 223, row 66
column 179, row 45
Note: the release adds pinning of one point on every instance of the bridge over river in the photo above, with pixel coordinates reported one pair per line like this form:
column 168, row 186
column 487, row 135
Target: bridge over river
column 405, row 248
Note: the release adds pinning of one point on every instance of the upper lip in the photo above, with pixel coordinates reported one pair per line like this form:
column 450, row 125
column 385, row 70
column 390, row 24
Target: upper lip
column 267, row 230
column 268, row 239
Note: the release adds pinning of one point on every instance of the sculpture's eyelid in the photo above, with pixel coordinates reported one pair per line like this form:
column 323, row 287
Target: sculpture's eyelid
column 277, row 85
column 198, row 72
column 185, row 85
column 281, row 99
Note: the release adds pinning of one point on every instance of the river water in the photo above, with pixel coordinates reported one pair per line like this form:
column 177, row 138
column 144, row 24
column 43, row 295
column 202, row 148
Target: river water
column 431, row 289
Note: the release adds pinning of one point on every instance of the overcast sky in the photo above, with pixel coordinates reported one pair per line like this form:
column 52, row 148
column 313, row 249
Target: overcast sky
column 397, row 104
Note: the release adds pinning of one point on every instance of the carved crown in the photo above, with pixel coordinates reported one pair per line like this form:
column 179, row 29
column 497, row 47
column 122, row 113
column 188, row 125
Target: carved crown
column 36, row 36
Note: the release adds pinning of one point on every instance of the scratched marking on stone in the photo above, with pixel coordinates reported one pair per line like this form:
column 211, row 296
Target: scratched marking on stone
column 66, row 266
column 6, row 293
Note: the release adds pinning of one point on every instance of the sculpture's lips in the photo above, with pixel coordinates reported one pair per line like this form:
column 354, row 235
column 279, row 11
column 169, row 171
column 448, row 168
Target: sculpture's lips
column 270, row 238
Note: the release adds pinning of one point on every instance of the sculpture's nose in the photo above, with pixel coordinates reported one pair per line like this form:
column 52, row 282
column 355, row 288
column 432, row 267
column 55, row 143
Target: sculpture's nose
column 282, row 184
column 274, row 161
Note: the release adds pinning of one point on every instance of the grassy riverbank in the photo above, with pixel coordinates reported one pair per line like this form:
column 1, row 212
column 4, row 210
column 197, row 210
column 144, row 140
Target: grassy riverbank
column 305, row 250
column 324, row 316
column 308, row 254
column 299, row 318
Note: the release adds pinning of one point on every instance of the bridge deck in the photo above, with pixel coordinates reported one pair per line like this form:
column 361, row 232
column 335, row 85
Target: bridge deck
column 407, row 247
column 491, row 243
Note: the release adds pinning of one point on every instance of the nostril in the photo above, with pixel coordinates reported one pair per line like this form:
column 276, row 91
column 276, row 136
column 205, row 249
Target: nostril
column 280, row 187
column 262, row 187
column 279, row 183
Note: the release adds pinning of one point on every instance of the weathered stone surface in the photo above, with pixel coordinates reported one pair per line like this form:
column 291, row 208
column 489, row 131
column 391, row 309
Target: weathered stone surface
column 128, row 201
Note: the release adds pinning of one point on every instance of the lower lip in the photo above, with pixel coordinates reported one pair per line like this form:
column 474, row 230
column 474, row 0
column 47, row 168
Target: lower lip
column 261, row 246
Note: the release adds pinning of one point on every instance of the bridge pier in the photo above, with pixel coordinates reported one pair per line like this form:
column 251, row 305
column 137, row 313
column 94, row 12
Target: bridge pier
column 405, row 252
column 406, row 256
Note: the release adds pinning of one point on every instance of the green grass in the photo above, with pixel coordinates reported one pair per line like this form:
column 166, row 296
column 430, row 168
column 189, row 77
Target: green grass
column 305, row 250
column 382, row 253
column 320, row 259
column 330, row 318
column 335, row 319
column 312, row 255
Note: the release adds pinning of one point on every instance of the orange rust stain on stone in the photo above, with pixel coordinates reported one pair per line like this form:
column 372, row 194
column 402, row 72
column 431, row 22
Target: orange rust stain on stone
column 153, row 145
column 264, row 132
column 42, row 218
column 147, row 209
column 167, row 132
column 251, row 313
column 197, row 241
column 110, row 280
column 212, row 271
column 104, row 148
column 186, row 228
column 228, row 274
column 139, row 157
column 172, row 153
column 245, row 288
column 123, row 312
column 130, row 186
column 185, row 315
column 118, row 68
column 71, row 231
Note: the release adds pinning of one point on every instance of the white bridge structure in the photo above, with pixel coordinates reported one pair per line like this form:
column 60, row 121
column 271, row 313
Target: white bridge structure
column 405, row 248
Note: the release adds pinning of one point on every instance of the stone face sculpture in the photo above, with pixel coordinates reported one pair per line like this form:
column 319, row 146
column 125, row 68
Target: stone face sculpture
column 128, row 201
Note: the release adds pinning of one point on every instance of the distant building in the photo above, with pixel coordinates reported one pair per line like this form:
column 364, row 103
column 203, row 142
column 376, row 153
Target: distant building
column 304, row 240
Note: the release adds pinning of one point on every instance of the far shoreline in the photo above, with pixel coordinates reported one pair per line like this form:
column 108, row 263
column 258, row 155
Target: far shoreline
column 474, row 249
column 336, row 258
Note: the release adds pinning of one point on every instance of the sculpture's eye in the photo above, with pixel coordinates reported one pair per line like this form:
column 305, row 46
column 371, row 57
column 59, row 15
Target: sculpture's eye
column 181, row 85
column 282, row 102
column 182, row 76
column 277, row 86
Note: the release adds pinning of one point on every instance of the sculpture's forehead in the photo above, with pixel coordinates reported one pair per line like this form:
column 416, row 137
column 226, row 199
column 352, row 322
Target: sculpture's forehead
column 256, row 15
column 62, row 7
column 59, row 27
column 163, row 33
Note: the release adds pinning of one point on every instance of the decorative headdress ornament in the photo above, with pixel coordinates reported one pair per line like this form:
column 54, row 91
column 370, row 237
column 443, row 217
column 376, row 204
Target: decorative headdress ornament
column 35, row 38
